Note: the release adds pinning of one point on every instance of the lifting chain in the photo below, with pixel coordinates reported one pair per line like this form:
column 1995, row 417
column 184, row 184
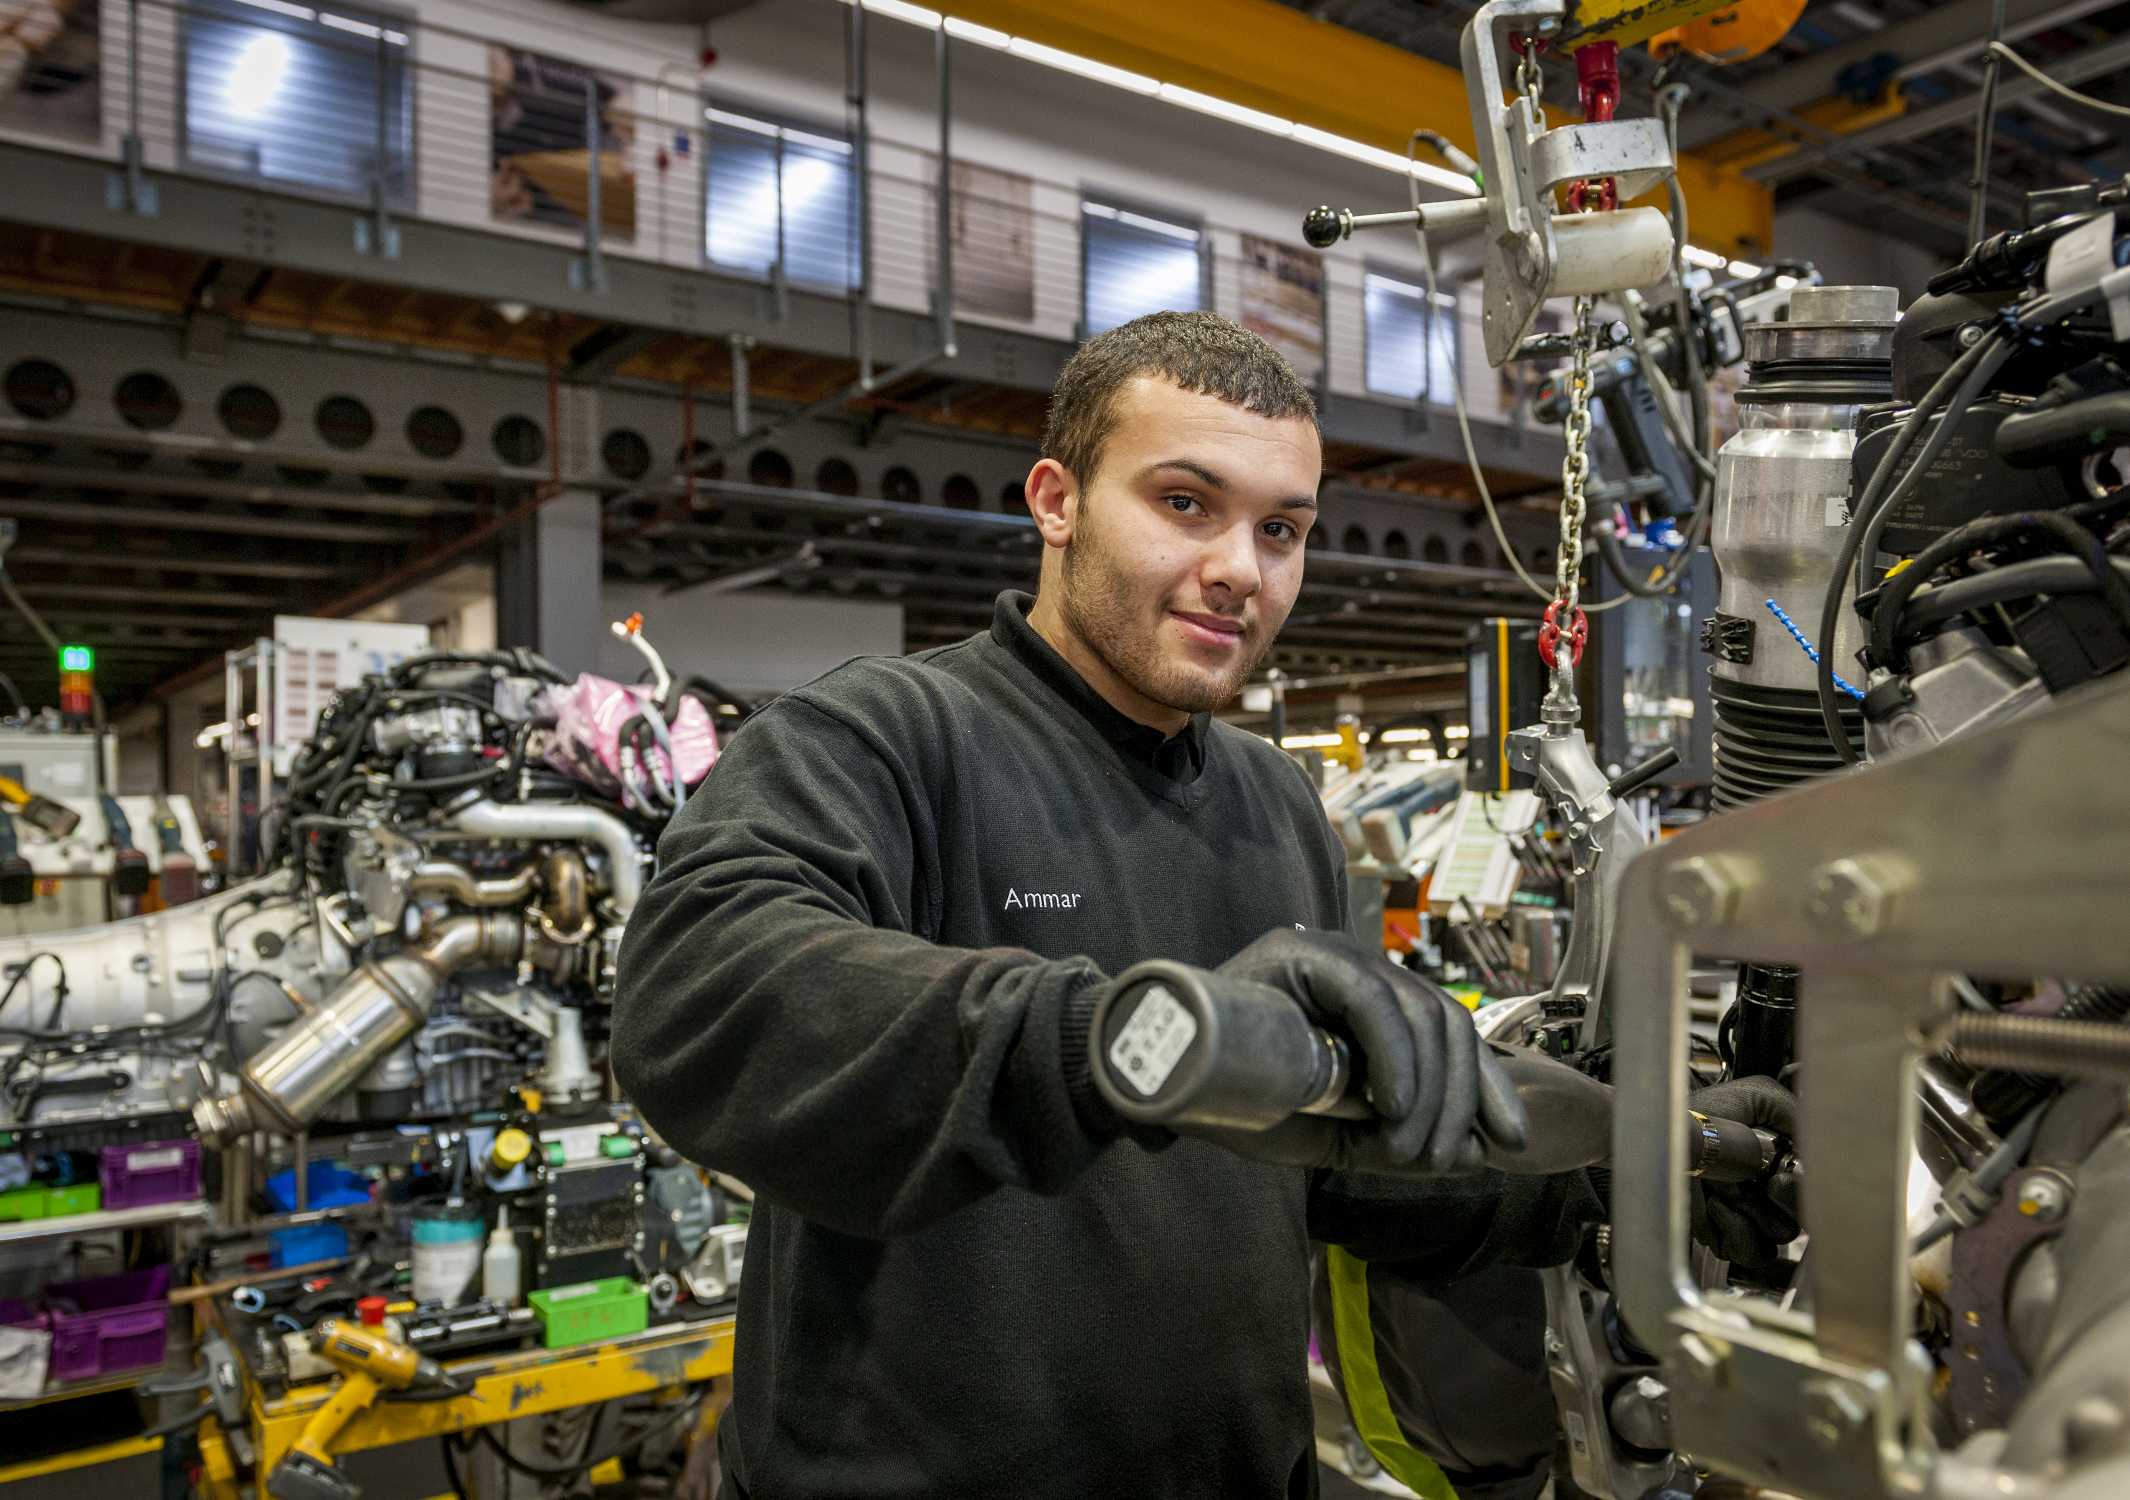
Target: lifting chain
column 1530, row 81
column 1565, row 623
column 1565, row 620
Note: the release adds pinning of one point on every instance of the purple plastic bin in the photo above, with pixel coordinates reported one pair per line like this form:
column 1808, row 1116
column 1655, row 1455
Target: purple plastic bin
column 14, row 1314
column 150, row 1172
column 108, row 1323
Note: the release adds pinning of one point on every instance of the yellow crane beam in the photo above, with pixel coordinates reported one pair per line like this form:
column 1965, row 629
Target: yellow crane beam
column 1749, row 148
column 1268, row 57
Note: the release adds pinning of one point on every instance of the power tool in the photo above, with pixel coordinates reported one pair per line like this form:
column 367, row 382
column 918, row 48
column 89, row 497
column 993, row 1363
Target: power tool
column 1170, row 1051
column 370, row 1364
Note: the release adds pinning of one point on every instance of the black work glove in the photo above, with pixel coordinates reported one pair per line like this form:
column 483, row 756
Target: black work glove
column 1746, row 1222
column 1433, row 1084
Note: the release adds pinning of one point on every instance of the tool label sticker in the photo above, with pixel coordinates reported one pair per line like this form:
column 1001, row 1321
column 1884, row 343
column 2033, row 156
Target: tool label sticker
column 1153, row 1041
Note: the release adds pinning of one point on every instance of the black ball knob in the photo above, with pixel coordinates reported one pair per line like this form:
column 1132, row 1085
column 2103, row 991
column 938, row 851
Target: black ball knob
column 1323, row 226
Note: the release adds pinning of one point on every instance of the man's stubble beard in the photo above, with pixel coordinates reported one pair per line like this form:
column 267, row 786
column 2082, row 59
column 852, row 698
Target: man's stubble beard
column 1100, row 611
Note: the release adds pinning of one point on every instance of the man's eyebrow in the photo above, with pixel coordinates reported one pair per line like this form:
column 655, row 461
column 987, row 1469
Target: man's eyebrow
column 1204, row 475
column 1298, row 502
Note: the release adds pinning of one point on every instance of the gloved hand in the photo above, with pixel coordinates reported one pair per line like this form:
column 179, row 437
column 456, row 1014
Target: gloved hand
column 1431, row 1081
column 1746, row 1222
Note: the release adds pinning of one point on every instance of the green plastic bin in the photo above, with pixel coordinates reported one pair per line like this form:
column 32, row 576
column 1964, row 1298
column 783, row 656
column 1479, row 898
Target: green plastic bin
column 590, row 1311
column 24, row 1203
column 81, row 1198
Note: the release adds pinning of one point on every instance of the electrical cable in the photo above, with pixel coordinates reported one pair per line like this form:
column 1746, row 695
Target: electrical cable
column 1991, row 1171
column 1939, row 602
column 1985, row 129
column 1894, row 595
column 1998, row 49
column 1661, row 581
column 1965, row 378
column 592, row 1461
column 1464, row 422
column 1990, row 351
column 450, row 1456
column 22, row 975
column 22, row 605
column 15, row 693
column 178, row 1424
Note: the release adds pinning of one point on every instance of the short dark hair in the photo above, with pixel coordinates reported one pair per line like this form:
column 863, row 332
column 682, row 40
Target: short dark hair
column 1199, row 351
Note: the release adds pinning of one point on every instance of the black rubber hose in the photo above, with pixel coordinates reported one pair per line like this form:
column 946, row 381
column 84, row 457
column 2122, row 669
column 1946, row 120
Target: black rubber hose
column 452, row 1476
column 1614, row 556
column 2035, row 439
column 1895, row 594
column 1867, row 507
column 1938, row 602
column 594, row 1460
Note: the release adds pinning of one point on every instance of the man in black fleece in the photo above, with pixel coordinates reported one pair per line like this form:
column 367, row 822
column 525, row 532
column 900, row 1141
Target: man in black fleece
column 863, row 976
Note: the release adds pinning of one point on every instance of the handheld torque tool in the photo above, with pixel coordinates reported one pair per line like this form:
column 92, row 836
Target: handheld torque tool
column 1171, row 1051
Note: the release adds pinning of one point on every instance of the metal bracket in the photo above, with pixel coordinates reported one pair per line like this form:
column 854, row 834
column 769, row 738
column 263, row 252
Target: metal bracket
column 1603, row 834
column 1859, row 883
column 128, row 190
column 1521, row 164
column 377, row 235
column 1728, row 637
column 1584, row 1374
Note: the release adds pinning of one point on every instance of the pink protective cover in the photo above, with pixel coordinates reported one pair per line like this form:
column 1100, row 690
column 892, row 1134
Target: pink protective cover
column 588, row 715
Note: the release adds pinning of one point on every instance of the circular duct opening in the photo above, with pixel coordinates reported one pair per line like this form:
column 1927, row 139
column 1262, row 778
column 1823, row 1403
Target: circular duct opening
column 148, row 401
column 434, row 433
column 1395, row 545
column 249, row 412
column 40, row 390
column 960, row 493
column 1435, row 550
column 1353, row 539
column 1471, row 554
column 1013, row 496
column 836, row 476
column 900, row 485
column 625, row 454
column 771, row 469
column 518, row 442
column 345, row 423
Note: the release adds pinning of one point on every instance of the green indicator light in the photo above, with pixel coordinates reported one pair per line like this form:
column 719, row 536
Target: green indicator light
column 77, row 659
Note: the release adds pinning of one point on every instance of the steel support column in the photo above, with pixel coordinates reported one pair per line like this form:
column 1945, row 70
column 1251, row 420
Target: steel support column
column 547, row 582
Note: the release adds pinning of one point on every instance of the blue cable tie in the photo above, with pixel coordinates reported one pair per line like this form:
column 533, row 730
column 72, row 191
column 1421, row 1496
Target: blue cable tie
column 1799, row 637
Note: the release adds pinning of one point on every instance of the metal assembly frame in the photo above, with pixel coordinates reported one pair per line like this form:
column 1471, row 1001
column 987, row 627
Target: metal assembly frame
column 1876, row 887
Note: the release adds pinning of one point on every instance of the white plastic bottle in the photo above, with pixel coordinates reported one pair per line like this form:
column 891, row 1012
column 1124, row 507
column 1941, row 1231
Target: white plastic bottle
column 500, row 1263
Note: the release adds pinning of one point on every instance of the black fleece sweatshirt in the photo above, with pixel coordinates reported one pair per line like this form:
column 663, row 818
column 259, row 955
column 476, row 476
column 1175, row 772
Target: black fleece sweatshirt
column 851, row 985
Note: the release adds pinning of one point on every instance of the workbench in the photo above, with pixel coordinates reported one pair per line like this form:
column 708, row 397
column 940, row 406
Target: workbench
column 523, row 1383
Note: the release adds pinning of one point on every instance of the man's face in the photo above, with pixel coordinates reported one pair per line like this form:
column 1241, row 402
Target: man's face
column 1185, row 553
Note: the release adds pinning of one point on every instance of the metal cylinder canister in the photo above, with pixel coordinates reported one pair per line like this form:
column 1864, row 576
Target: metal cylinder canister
column 1781, row 511
column 351, row 1031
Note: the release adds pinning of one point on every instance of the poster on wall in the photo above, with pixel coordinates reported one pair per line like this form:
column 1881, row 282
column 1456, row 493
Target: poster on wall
column 994, row 243
column 50, row 66
column 540, row 143
column 1283, row 301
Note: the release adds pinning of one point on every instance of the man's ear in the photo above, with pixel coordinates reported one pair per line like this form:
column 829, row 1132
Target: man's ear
column 1054, row 501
